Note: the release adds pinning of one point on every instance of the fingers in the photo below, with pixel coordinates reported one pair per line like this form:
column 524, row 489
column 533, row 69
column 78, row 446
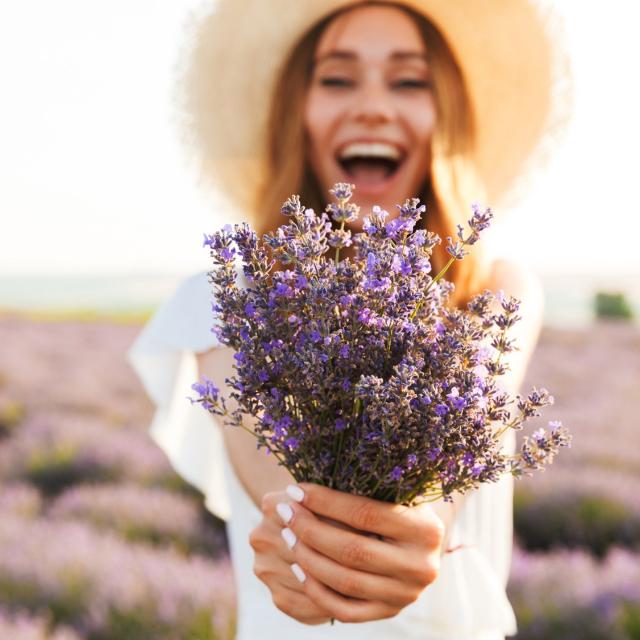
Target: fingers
column 345, row 573
column 357, row 512
column 353, row 583
column 266, row 539
column 274, row 571
column 341, row 608
column 272, row 565
column 392, row 521
column 412, row 566
column 270, row 502
column 300, row 606
column 347, row 548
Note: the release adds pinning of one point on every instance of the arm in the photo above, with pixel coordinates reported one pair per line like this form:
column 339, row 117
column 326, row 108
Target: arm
column 258, row 473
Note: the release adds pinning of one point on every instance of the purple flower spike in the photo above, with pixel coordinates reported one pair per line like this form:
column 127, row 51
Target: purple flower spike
column 441, row 409
column 207, row 391
column 456, row 249
column 480, row 219
column 396, row 474
column 369, row 227
column 342, row 190
column 361, row 373
column 292, row 206
column 341, row 424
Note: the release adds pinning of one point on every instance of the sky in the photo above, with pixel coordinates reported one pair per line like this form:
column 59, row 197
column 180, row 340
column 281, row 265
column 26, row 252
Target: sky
column 93, row 178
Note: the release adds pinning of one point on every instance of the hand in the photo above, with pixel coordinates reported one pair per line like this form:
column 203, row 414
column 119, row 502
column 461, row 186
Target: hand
column 273, row 561
column 343, row 570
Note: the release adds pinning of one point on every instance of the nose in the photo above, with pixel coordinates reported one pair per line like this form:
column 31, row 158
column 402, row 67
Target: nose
column 372, row 105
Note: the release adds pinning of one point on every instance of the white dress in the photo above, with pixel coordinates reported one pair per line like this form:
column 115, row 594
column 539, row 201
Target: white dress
column 466, row 602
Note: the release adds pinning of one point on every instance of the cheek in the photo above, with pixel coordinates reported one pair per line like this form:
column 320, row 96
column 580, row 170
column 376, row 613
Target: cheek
column 422, row 122
column 321, row 121
column 316, row 121
column 314, row 128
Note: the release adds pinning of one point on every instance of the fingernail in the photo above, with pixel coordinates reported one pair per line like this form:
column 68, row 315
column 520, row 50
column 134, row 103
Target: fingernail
column 284, row 511
column 298, row 572
column 295, row 492
column 289, row 537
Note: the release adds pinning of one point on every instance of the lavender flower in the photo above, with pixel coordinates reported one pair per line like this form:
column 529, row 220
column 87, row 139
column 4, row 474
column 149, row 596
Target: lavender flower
column 22, row 626
column 569, row 594
column 592, row 508
column 20, row 499
column 138, row 513
column 54, row 451
column 161, row 593
column 364, row 378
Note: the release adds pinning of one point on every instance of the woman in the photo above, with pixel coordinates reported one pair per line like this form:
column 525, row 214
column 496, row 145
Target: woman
column 371, row 93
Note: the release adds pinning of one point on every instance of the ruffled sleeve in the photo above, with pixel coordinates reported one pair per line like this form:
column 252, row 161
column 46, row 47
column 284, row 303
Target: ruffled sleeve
column 164, row 357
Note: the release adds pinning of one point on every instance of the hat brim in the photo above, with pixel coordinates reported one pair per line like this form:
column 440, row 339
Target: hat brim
column 510, row 53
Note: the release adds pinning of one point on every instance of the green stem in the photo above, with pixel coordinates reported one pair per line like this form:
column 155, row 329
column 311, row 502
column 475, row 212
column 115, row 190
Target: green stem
column 415, row 311
column 465, row 242
column 375, row 488
column 338, row 248
column 440, row 274
column 509, row 425
column 389, row 340
column 257, row 437
column 433, row 499
column 419, row 490
column 335, row 460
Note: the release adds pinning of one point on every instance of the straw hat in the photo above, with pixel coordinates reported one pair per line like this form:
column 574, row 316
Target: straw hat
column 509, row 51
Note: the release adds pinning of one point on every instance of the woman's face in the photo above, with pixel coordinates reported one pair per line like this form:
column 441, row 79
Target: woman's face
column 370, row 110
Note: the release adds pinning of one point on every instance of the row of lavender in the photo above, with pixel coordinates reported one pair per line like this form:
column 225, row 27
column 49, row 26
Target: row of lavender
column 580, row 521
column 591, row 497
column 570, row 505
column 99, row 539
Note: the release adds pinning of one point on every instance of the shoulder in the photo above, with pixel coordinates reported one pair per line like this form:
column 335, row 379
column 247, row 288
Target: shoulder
column 190, row 301
column 184, row 320
column 520, row 281
column 514, row 279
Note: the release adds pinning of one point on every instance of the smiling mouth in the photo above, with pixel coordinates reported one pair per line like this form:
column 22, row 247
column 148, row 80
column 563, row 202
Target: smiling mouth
column 370, row 163
column 367, row 169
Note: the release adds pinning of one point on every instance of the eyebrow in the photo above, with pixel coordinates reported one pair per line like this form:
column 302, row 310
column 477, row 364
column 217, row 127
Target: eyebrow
column 350, row 55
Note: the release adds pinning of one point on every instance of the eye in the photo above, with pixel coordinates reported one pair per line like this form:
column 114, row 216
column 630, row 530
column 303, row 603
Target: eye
column 411, row 83
column 336, row 81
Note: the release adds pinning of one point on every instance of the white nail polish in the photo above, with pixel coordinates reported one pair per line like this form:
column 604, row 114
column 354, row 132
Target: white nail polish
column 298, row 572
column 295, row 492
column 284, row 511
column 289, row 537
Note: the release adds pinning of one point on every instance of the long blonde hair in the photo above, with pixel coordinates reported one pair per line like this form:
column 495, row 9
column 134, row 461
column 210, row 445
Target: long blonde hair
column 448, row 190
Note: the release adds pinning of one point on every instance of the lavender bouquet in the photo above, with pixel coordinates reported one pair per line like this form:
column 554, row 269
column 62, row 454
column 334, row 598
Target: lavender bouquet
column 358, row 373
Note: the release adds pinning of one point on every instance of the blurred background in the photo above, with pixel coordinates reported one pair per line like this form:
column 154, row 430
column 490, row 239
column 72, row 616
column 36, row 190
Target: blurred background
column 101, row 218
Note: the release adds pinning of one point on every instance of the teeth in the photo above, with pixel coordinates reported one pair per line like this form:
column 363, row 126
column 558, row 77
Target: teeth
column 370, row 150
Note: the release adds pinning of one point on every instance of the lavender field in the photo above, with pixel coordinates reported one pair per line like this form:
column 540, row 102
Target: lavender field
column 100, row 540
